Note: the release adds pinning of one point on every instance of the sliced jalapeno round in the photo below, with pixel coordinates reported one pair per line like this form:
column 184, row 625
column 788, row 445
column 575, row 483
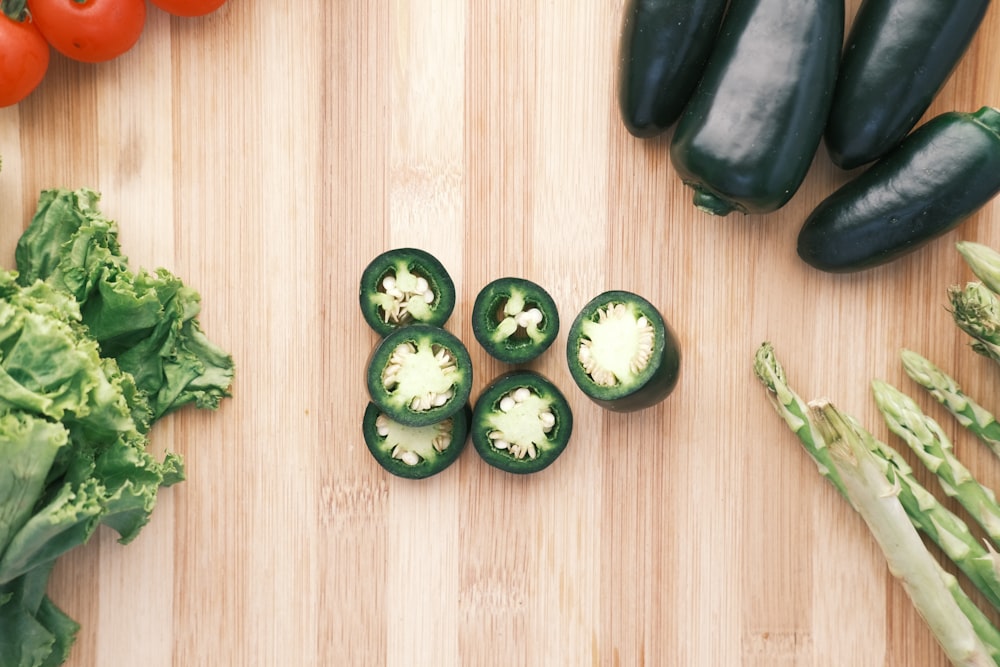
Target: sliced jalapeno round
column 622, row 353
column 521, row 422
column 514, row 319
column 419, row 374
column 405, row 286
column 415, row 452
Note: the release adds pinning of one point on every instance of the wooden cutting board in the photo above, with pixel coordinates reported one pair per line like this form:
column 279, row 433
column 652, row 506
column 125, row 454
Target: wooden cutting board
column 267, row 152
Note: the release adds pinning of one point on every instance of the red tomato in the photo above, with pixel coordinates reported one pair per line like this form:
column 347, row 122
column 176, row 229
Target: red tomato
column 188, row 7
column 24, row 59
column 90, row 31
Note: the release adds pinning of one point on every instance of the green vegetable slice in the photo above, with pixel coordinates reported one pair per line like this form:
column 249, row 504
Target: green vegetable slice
column 415, row 452
column 404, row 286
column 621, row 352
column 521, row 422
column 419, row 375
column 514, row 319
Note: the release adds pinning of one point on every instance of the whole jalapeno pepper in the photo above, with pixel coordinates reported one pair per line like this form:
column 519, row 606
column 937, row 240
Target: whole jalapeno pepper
column 752, row 127
column 898, row 55
column 663, row 48
column 943, row 172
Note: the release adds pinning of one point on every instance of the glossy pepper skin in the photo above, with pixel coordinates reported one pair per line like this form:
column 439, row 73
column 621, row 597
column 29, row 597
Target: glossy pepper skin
column 749, row 133
column 663, row 48
column 944, row 171
column 898, row 55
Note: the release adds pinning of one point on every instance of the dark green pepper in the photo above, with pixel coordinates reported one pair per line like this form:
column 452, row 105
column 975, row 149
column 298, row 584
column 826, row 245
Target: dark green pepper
column 663, row 48
column 419, row 375
column 621, row 352
column 898, row 55
column 752, row 127
column 521, row 422
column 415, row 452
column 514, row 319
column 944, row 171
column 403, row 286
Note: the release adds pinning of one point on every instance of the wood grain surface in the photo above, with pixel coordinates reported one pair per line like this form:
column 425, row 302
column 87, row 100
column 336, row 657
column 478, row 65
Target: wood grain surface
column 267, row 152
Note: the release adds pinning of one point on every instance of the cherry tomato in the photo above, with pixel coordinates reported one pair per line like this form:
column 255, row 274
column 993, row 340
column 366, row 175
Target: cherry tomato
column 90, row 31
column 24, row 59
column 188, row 7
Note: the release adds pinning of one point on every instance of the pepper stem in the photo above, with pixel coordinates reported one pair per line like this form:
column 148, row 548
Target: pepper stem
column 988, row 117
column 712, row 203
column 14, row 9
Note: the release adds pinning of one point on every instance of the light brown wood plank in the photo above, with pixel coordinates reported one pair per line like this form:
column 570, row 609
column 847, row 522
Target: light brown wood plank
column 267, row 152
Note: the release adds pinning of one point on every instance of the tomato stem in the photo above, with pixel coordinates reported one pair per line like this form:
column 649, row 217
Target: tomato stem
column 14, row 9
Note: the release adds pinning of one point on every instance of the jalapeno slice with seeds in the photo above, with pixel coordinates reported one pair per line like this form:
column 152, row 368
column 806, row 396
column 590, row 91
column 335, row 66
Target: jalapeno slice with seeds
column 415, row 452
column 521, row 422
column 514, row 319
column 420, row 374
column 405, row 286
column 622, row 353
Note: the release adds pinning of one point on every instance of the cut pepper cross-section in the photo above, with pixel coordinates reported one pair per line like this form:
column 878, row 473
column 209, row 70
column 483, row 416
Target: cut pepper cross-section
column 420, row 374
column 521, row 422
column 514, row 319
column 415, row 452
column 405, row 286
column 621, row 352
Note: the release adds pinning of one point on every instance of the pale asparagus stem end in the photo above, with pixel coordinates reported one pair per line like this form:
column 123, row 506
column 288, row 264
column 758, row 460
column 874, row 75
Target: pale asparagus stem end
column 909, row 560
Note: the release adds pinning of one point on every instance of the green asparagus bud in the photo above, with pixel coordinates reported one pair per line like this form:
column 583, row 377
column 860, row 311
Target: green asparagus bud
column 877, row 501
column 984, row 262
column 976, row 311
column 929, row 442
column 978, row 420
column 943, row 527
column 793, row 410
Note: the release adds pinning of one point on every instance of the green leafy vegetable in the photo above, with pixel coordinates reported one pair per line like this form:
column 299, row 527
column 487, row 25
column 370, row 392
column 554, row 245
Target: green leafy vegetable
column 92, row 354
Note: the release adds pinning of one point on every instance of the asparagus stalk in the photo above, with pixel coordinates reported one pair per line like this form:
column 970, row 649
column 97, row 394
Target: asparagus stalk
column 929, row 442
column 984, row 262
column 794, row 411
column 941, row 525
column 979, row 563
column 978, row 420
column 976, row 311
column 877, row 501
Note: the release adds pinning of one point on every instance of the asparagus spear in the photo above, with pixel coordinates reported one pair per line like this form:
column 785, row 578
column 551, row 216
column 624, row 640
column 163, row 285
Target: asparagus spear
column 929, row 442
column 979, row 563
column 922, row 577
column 943, row 527
column 984, row 262
column 976, row 311
column 974, row 417
column 794, row 411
